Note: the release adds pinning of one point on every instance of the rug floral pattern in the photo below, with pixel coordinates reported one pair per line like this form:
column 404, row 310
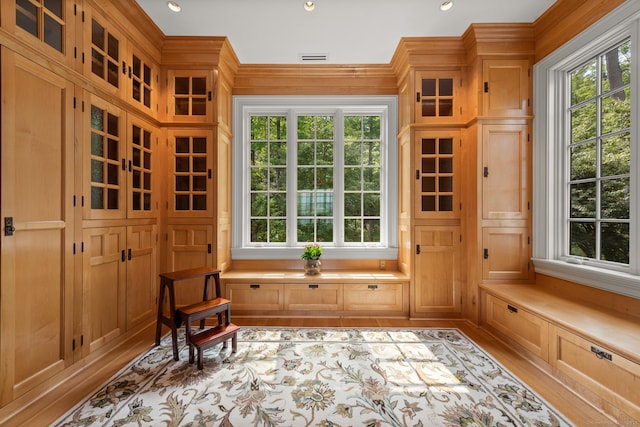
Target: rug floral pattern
column 319, row 377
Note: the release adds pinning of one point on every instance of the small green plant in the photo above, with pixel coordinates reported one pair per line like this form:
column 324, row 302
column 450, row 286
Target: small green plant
column 312, row 251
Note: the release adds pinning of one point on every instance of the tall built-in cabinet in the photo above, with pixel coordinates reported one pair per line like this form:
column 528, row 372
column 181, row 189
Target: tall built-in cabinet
column 80, row 184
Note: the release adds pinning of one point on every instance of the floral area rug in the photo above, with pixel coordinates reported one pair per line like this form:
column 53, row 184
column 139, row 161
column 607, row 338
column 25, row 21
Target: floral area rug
column 319, row 377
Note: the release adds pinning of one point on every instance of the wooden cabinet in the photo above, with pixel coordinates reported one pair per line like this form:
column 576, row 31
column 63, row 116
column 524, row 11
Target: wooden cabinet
column 338, row 294
column 141, row 82
column 438, row 97
column 527, row 329
column 601, row 370
column 506, row 88
column 190, row 96
column 142, row 185
column 437, row 285
column 142, row 279
column 103, row 49
column 506, row 253
column 189, row 246
column 313, row 296
column 376, row 298
column 104, row 286
column 255, row 297
column 190, row 173
column 37, row 273
column 437, row 174
column 505, row 174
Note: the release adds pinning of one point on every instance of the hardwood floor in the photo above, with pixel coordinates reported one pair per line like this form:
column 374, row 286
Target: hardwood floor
column 43, row 410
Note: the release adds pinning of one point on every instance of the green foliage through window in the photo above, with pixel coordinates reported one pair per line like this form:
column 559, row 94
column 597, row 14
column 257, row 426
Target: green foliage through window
column 599, row 151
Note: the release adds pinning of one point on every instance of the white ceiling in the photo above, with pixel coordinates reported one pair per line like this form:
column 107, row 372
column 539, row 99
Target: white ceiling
column 347, row 31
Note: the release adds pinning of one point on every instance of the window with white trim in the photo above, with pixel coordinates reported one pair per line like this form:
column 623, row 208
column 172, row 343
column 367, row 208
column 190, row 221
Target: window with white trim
column 586, row 157
column 315, row 169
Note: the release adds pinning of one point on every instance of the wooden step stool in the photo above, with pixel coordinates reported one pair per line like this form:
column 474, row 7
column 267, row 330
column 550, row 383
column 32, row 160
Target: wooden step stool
column 208, row 337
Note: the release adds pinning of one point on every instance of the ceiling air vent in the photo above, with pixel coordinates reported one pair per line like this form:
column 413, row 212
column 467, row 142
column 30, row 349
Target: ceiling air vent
column 313, row 57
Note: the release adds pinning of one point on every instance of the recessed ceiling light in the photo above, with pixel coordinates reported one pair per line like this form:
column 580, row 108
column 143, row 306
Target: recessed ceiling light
column 173, row 6
column 309, row 6
column 446, row 5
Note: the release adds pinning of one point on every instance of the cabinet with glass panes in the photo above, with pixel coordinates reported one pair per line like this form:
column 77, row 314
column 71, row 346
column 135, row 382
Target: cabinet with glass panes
column 437, row 97
column 190, row 96
column 190, row 173
column 437, row 174
column 141, row 80
column 103, row 55
column 119, row 180
column 46, row 25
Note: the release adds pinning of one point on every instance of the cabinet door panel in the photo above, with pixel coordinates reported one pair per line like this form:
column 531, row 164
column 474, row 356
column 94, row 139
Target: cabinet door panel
column 142, row 279
column 506, row 253
column 190, row 96
column 189, row 246
column 531, row 331
column 437, row 97
column 36, row 294
column 104, row 276
column 312, row 296
column 252, row 297
column 505, row 172
column 437, row 284
column 616, row 379
column 383, row 298
column 506, row 87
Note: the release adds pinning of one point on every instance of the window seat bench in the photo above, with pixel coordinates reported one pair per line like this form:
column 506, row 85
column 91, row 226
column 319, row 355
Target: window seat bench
column 592, row 347
column 333, row 293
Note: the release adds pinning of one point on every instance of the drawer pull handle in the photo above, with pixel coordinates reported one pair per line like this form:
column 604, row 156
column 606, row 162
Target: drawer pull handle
column 601, row 354
column 254, row 286
column 313, row 286
column 512, row 308
column 373, row 287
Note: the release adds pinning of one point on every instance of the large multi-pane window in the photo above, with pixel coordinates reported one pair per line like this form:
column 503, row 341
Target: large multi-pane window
column 586, row 179
column 315, row 174
column 599, row 155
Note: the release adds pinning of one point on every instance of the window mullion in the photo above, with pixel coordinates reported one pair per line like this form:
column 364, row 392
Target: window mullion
column 338, row 179
column 292, row 175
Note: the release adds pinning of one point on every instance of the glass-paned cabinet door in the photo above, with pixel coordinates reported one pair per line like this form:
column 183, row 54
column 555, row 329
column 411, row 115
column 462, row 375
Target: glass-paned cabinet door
column 103, row 53
column 140, row 166
column 142, row 76
column 191, row 174
column 437, row 97
column 190, row 96
column 437, row 174
column 45, row 20
column 104, row 161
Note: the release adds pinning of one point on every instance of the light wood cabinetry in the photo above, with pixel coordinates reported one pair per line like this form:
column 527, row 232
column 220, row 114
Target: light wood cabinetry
column 313, row 296
column 437, row 285
column 603, row 371
column 528, row 330
column 189, row 246
column 437, row 174
column 190, row 173
column 103, row 53
column 336, row 294
column 438, row 97
column 37, row 280
column 505, row 172
column 255, row 297
column 505, row 253
column 190, row 97
column 506, row 87
column 376, row 298
column 142, row 280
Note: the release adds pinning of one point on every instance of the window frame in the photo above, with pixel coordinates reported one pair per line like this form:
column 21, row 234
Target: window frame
column 550, row 162
column 292, row 106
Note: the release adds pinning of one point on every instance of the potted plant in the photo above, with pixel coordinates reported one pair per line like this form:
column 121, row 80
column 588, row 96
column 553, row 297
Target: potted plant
column 311, row 256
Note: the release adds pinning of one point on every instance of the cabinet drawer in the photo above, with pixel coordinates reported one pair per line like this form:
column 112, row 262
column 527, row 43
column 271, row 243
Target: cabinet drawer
column 529, row 330
column 614, row 377
column 385, row 297
column 313, row 296
column 255, row 296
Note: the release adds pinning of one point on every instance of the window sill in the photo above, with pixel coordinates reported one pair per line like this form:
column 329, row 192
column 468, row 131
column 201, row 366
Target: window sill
column 612, row 281
column 328, row 253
